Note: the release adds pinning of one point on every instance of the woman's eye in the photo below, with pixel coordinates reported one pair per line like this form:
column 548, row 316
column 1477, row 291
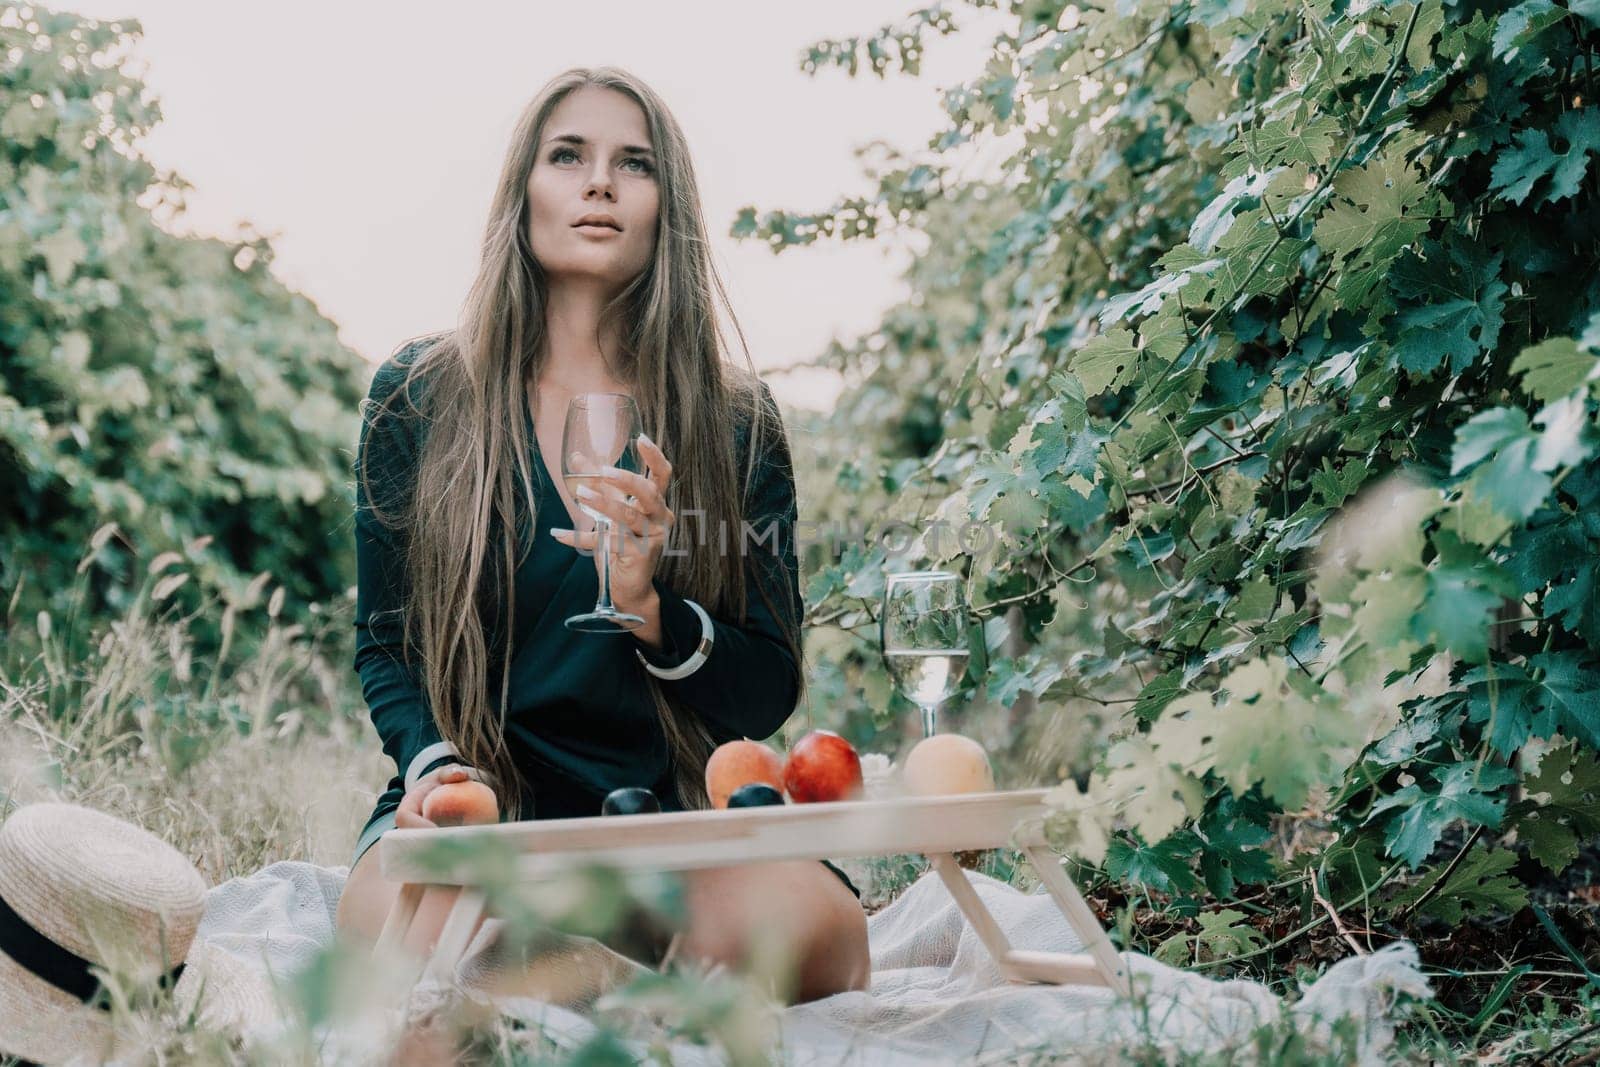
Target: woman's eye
column 561, row 153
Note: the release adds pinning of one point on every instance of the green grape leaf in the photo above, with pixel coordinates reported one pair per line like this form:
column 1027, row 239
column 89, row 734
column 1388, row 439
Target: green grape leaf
column 1564, row 436
column 1225, row 933
column 1458, row 304
column 1217, row 217
column 1377, row 211
column 1563, row 806
column 1464, row 588
column 1157, row 693
column 1547, row 549
column 1552, row 369
column 1576, row 601
column 1462, row 794
column 1277, row 141
column 1176, row 950
column 1157, row 796
column 1062, row 449
column 1550, row 841
column 1516, row 481
column 1018, row 512
column 1487, row 433
column 1506, row 698
column 1233, row 856
column 1571, row 692
column 1354, row 863
column 1518, row 705
column 1267, row 732
column 1334, row 485
column 1520, row 24
column 1517, row 171
column 1107, row 361
column 1481, row 885
column 1251, row 238
column 1163, row 867
column 1079, row 821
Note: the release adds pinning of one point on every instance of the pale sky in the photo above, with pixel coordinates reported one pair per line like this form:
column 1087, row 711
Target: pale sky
column 365, row 137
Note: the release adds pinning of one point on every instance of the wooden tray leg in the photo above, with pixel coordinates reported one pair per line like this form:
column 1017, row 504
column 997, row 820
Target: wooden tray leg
column 1107, row 960
column 971, row 905
column 401, row 912
column 456, row 933
column 1016, row 965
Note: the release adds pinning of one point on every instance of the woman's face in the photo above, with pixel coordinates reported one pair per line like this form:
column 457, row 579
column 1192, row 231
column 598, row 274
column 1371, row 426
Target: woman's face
column 594, row 158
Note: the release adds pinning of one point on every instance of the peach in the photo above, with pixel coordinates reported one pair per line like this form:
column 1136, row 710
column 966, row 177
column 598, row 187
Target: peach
column 460, row 803
column 947, row 763
column 822, row 766
column 737, row 763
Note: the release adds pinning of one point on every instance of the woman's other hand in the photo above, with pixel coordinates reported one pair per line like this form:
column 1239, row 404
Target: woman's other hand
column 409, row 815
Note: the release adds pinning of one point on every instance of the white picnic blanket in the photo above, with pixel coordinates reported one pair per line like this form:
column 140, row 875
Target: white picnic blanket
column 936, row 997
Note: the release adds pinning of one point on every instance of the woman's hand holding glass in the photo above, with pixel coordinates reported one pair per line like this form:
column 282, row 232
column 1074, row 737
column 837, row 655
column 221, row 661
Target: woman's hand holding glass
column 637, row 506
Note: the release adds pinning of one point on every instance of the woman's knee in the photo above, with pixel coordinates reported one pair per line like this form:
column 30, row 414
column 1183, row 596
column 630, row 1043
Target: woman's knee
column 366, row 899
column 840, row 958
column 814, row 919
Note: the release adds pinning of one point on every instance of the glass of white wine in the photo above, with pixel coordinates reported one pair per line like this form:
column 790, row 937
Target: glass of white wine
column 601, row 430
column 922, row 630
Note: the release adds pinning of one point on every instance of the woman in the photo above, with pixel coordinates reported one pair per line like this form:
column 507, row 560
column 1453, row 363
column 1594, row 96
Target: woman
column 595, row 277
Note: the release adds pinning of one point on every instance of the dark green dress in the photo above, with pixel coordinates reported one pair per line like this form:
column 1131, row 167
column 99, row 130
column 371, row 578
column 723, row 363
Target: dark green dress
column 581, row 721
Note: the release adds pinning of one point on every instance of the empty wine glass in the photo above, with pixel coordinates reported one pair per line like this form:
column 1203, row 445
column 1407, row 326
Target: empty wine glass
column 922, row 630
column 602, row 429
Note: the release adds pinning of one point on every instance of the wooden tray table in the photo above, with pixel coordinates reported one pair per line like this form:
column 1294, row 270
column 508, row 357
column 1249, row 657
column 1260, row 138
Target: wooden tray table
column 684, row 840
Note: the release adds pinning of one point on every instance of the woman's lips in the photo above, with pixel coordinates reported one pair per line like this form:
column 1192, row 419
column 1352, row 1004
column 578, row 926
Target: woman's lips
column 593, row 230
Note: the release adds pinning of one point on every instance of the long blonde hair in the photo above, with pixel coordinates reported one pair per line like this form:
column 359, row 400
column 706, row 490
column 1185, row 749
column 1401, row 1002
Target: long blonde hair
column 461, row 521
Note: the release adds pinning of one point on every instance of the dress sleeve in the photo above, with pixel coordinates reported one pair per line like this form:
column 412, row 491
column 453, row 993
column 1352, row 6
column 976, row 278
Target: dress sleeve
column 749, row 684
column 392, row 689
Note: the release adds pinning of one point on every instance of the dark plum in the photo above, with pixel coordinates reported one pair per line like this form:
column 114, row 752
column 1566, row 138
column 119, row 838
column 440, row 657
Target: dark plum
column 629, row 800
column 754, row 795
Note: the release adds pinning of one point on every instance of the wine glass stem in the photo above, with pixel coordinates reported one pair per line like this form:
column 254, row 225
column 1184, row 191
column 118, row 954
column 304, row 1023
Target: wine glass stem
column 604, row 604
column 929, row 713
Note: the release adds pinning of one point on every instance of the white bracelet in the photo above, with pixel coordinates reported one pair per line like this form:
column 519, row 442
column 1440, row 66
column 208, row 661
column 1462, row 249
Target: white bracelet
column 698, row 657
column 431, row 753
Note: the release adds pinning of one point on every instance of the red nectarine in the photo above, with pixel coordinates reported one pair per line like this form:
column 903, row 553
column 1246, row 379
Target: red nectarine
column 737, row 763
column 822, row 766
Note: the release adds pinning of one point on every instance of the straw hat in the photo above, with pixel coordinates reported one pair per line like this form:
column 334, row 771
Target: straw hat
column 80, row 888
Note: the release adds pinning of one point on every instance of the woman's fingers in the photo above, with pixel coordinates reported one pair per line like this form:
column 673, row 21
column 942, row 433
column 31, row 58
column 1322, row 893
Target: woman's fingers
column 450, row 772
column 582, row 540
column 656, row 460
column 649, row 501
column 609, row 503
column 410, row 820
column 629, row 517
column 588, row 541
column 648, row 490
column 409, row 815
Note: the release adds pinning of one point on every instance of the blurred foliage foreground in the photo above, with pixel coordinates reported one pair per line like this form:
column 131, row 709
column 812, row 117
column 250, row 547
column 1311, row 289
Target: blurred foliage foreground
column 1264, row 359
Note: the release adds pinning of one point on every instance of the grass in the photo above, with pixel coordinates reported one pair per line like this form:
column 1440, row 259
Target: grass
column 263, row 753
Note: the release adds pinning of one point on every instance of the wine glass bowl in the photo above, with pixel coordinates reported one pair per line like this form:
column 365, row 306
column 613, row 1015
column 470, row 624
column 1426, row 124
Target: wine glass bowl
column 922, row 631
column 601, row 430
